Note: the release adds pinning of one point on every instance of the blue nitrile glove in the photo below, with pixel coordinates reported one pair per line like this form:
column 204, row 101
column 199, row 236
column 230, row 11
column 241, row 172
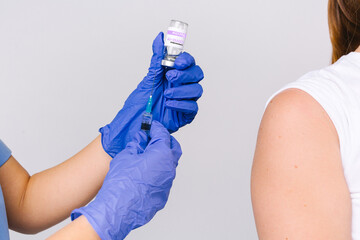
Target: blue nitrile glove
column 136, row 186
column 174, row 99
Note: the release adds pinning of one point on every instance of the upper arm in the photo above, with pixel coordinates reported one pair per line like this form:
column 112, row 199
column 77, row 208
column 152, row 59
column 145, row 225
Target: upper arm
column 13, row 179
column 298, row 185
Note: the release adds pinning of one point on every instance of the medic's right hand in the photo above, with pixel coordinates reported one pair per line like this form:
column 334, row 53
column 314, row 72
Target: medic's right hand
column 136, row 186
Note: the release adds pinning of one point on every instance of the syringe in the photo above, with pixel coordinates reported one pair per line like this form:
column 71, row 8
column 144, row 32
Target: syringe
column 147, row 117
column 174, row 44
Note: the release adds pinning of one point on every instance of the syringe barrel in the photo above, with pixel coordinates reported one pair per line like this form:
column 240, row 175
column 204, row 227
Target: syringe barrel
column 146, row 122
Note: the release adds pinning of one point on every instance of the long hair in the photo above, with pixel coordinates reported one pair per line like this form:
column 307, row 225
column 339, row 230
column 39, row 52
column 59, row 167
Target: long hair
column 344, row 26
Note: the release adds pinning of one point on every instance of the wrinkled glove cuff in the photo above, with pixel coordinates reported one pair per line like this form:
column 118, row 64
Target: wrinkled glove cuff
column 104, row 140
column 121, row 130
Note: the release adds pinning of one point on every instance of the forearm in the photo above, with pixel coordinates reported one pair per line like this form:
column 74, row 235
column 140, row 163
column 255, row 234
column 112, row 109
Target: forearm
column 49, row 197
column 78, row 229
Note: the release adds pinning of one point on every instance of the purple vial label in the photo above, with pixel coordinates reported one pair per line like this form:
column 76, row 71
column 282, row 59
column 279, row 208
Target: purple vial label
column 175, row 38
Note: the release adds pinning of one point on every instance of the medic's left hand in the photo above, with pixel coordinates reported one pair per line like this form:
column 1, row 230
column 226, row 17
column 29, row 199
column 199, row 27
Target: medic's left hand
column 174, row 99
column 136, row 186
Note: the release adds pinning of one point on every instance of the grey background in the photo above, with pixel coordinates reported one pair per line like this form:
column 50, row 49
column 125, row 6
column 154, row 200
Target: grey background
column 66, row 68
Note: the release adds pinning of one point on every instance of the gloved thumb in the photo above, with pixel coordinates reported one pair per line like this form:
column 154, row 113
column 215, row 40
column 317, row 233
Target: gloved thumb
column 158, row 51
column 138, row 144
column 156, row 69
column 162, row 142
column 159, row 134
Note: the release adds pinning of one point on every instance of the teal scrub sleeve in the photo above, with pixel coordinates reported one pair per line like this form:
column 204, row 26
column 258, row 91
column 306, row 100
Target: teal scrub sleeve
column 5, row 153
column 4, row 230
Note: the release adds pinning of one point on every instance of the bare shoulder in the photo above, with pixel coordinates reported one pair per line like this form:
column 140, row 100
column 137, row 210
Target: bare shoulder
column 295, row 107
column 297, row 173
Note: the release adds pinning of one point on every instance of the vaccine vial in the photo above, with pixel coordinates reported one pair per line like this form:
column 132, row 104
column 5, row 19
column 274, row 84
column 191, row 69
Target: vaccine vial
column 174, row 42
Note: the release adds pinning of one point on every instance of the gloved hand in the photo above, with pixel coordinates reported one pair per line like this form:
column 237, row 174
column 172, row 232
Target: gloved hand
column 136, row 186
column 174, row 99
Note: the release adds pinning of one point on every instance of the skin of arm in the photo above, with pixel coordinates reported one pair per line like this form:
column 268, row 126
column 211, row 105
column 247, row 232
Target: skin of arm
column 34, row 203
column 298, row 186
column 78, row 229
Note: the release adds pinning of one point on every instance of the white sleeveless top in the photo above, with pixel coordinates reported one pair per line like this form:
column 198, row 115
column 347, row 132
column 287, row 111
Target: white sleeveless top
column 337, row 89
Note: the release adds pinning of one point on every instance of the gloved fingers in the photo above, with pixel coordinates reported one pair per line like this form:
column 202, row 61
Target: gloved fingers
column 189, row 117
column 176, row 149
column 193, row 74
column 138, row 144
column 183, row 61
column 158, row 134
column 190, row 91
column 184, row 106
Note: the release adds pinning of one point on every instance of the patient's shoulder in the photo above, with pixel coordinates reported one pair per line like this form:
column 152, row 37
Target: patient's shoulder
column 297, row 173
column 294, row 111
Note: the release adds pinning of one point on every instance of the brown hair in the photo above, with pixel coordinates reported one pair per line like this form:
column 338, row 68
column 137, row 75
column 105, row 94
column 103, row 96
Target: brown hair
column 344, row 26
